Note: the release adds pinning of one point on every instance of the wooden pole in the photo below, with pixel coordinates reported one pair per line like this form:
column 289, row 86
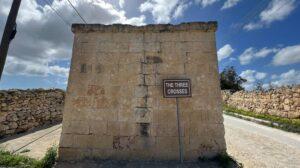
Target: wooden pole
column 9, row 32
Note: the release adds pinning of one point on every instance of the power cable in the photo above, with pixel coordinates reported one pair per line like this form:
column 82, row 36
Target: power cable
column 77, row 11
column 49, row 4
column 35, row 140
column 246, row 18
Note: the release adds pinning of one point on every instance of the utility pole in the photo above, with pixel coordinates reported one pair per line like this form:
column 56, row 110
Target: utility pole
column 9, row 33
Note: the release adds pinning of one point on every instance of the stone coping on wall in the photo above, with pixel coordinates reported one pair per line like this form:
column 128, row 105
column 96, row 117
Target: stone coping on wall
column 210, row 26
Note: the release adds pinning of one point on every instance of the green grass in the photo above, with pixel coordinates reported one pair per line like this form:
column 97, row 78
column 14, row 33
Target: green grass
column 7, row 159
column 224, row 160
column 49, row 159
column 292, row 125
column 10, row 160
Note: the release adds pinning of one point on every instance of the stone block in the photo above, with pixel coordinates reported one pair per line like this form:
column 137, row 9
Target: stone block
column 128, row 129
column 108, row 47
column 100, row 142
column 81, row 102
column 82, row 141
column 152, row 47
column 141, row 102
column 131, row 58
column 154, row 91
column 171, row 68
column 175, row 58
column 196, row 36
column 73, row 154
column 97, row 153
column 136, row 47
column 170, row 144
column 68, row 140
column 169, row 37
column 151, row 79
column 75, row 127
column 125, row 114
column 141, row 91
column 167, row 116
column 123, row 143
column 151, row 37
column 127, row 37
column 102, row 103
column 166, row 103
column 144, row 143
column 107, row 58
column 98, row 127
column 143, row 114
column 172, row 48
column 113, row 128
column 88, row 48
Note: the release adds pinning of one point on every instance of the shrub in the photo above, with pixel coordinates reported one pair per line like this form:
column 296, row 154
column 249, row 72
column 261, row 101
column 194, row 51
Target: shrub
column 49, row 159
column 7, row 159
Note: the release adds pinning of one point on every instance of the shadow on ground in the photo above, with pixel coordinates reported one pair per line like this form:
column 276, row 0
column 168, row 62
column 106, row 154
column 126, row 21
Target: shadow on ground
column 27, row 132
column 141, row 164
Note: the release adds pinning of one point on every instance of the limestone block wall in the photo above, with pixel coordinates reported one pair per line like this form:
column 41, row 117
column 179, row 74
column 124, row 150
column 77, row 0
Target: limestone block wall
column 282, row 102
column 21, row 110
column 114, row 103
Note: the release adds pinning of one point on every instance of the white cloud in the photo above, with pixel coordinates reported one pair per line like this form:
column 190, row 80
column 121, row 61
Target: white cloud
column 265, row 52
column 260, row 75
column 251, row 53
column 252, row 77
column 277, row 10
column 16, row 66
column 287, row 55
column 180, row 9
column 253, row 26
column 288, row 78
column 225, row 52
column 246, row 56
column 57, row 70
column 229, row 4
column 274, row 76
column 43, row 39
column 163, row 10
column 121, row 3
column 205, row 3
column 266, row 86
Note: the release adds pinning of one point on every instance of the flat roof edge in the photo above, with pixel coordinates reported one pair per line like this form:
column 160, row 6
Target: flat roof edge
column 210, row 26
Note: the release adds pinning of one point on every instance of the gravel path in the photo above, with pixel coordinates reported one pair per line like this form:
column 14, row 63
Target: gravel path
column 260, row 146
column 252, row 144
column 36, row 143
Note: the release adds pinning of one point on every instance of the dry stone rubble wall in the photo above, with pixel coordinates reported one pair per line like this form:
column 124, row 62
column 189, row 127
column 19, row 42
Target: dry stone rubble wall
column 21, row 110
column 282, row 102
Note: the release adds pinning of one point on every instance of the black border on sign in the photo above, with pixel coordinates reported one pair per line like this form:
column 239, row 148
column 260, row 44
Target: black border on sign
column 177, row 96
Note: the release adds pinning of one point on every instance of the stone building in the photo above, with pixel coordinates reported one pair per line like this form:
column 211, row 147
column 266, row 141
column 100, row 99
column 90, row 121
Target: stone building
column 114, row 104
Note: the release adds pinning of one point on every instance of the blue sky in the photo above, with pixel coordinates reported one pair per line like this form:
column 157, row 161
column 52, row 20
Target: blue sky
column 260, row 38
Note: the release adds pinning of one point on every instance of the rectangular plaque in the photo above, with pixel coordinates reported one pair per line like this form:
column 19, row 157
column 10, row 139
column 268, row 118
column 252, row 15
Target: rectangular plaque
column 173, row 88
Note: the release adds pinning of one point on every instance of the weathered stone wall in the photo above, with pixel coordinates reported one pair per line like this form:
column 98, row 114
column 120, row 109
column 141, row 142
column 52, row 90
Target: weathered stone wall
column 21, row 110
column 114, row 103
column 283, row 102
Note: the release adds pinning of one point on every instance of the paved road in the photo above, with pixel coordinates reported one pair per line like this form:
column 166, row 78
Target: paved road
column 251, row 144
column 259, row 146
